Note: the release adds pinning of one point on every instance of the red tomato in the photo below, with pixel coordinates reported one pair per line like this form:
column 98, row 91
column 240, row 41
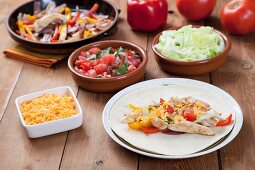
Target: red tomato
column 94, row 50
column 131, row 58
column 108, row 59
column 129, row 53
column 85, row 66
column 238, row 16
column 79, row 62
column 195, row 9
column 189, row 115
column 93, row 63
column 131, row 68
column 92, row 73
column 100, row 68
column 150, row 130
column 136, row 62
column 83, row 53
column 169, row 109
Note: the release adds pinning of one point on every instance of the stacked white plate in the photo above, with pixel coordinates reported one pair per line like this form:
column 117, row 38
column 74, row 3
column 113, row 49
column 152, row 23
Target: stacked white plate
column 171, row 146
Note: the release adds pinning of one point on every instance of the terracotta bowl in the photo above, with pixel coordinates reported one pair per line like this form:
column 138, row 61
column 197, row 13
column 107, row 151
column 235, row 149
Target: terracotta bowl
column 105, row 7
column 191, row 68
column 108, row 84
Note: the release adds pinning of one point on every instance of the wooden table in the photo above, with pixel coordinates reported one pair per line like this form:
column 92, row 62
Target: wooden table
column 89, row 147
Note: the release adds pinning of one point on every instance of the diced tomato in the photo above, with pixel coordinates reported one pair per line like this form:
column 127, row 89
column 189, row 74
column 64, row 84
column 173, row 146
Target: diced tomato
column 225, row 122
column 189, row 115
column 113, row 50
column 92, row 73
column 78, row 62
column 122, row 57
column 131, row 58
column 129, row 53
column 94, row 50
column 82, row 58
column 85, row 66
column 131, row 68
column 150, row 130
column 93, row 63
column 136, row 62
column 161, row 101
column 83, row 53
column 169, row 109
column 100, row 68
column 108, row 59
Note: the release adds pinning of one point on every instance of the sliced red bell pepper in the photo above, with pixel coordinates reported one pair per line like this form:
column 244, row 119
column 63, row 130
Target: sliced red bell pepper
column 93, row 10
column 161, row 101
column 74, row 19
column 150, row 130
column 29, row 22
column 147, row 15
column 55, row 35
column 225, row 122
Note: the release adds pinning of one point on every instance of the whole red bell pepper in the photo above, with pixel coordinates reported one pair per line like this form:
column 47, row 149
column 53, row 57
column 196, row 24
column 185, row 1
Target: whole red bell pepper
column 147, row 15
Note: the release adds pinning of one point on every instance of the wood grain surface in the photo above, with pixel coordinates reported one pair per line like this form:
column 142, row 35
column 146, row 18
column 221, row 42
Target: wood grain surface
column 89, row 147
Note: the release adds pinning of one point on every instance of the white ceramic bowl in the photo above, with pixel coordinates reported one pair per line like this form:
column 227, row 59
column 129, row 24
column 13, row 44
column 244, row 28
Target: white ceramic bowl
column 55, row 126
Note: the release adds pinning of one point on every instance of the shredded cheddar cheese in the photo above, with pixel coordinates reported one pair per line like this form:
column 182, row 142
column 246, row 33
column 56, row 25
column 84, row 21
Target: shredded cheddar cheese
column 46, row 108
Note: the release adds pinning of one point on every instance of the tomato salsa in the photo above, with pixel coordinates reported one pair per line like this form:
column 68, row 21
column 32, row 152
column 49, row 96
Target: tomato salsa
column 106, row 63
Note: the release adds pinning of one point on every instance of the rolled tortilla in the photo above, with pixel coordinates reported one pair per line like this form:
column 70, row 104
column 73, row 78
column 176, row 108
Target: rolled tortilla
column 182, row 144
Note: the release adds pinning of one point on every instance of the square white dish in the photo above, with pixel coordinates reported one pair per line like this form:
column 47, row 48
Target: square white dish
column 55, row 126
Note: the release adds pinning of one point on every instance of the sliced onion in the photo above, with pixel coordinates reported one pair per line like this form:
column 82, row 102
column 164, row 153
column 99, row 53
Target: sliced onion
column 91, row 27
column 103, row 25
column 46, row 38
column 72, row 29
column 49, row 8
column 58, row 8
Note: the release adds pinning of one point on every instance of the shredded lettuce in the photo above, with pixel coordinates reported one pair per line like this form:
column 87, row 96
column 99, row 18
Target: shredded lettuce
column 190, row 44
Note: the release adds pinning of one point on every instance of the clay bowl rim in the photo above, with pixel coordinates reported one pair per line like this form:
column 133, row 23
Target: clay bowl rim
column 135, row 47
column 60, row 43
column 226, row 39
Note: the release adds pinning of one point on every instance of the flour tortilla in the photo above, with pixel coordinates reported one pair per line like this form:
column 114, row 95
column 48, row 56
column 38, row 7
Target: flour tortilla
column 169, row 144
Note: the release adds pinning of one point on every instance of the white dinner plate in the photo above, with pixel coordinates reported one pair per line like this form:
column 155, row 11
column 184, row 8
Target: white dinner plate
column 169, row 82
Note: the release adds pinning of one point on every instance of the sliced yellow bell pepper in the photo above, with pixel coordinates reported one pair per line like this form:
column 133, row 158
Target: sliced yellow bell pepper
column 61, row 10
column 30, row 33
column 80, row 21
column 87, row 33
column 138, row 125
column 21, row 28
column 62, row 31
column 68, row 13
column 92, row 20
column 133, row 107
column 30, row 17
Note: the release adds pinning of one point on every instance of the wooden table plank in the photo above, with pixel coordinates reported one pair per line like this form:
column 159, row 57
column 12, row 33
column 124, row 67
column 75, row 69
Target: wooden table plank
column 8, row 66
column 90, row 146
column 153, row 71
column 17, row 151
column 237, row 77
